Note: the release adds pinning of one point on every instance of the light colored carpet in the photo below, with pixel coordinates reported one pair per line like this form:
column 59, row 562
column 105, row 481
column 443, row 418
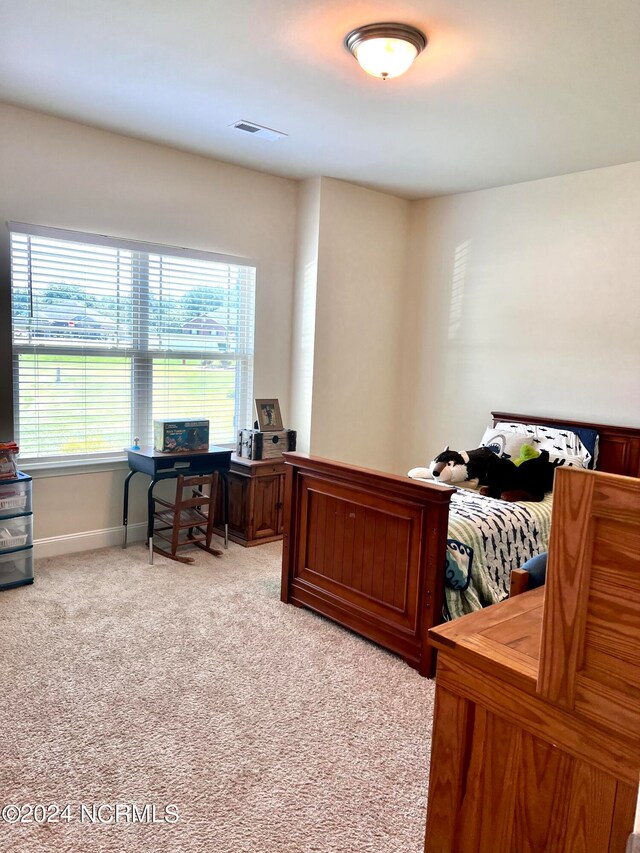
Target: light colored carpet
column 271, row 729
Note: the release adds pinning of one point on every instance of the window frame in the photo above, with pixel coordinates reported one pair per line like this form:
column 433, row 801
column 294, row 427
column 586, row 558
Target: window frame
column 141, row 359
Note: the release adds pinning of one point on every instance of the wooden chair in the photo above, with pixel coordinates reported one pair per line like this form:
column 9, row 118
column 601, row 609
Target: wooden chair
column 193, row 513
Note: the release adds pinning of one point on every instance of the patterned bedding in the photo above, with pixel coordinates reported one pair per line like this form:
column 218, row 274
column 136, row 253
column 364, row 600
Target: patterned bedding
column 488, row 538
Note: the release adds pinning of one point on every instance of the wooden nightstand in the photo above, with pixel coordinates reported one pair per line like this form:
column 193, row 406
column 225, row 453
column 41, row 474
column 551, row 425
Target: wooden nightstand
column 256, row 498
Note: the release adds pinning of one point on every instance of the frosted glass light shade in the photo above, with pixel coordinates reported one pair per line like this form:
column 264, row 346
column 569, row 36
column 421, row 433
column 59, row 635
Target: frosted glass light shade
column 385, row 50
column 385, row 57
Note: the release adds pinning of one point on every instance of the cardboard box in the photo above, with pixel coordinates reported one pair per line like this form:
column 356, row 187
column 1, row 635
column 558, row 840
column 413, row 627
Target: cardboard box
column 173, row 436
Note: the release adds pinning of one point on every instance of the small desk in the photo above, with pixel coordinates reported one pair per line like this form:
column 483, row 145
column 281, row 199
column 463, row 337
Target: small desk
column 165, row 466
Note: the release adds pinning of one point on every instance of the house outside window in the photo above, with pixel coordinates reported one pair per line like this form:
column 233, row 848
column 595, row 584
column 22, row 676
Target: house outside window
column 110, row 334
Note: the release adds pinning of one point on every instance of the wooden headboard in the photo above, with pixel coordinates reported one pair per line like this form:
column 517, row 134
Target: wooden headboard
column 618, row 447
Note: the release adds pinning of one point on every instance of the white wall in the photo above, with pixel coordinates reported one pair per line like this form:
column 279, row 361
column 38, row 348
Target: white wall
column 524, row 298
column 58, row 173
column 361, row 277
column 304, row 312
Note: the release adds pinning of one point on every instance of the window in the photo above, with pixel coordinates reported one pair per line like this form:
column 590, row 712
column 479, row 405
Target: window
column 109, row 334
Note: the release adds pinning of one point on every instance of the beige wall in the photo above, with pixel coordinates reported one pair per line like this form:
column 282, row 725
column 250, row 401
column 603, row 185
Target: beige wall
column 360, row 280
column 304, row 311
column 58, row 173
column 524, row 298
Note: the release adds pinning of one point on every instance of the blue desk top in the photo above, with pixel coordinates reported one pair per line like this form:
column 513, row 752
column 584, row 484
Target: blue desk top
column 151, row 461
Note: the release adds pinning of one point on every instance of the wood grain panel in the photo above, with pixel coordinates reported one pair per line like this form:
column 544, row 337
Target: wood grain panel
column 618, row 455
column 614, row 635
column 390, row 560
column 591, row 630
column 523, row 667
column 616, row 547
column 337, row 567
column 377, row 572
column 402, row 549
column 449, row 635
column 316, row 560
column 357, row 555
column 543, row 780
column 609, row 706
column 485, row 818
column 348, row 547
column 589, row 828
column 237, row 504
column 623, row 813
column 567, row 586
column 265, row 511
column 453, row 718
column 610, row 669
column 309, row 528
column 522, row 634
column 576, row 736
column 369, row 552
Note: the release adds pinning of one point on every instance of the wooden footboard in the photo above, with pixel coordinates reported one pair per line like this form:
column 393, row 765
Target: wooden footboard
column 367, row 550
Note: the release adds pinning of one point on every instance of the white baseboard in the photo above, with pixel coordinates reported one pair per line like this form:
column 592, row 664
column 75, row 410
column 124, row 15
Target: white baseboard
column 88, row 540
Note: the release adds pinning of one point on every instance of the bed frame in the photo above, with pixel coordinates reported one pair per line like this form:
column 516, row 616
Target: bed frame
column 367, row 549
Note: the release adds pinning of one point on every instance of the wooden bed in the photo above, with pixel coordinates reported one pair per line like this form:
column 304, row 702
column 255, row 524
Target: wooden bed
column 367, row 549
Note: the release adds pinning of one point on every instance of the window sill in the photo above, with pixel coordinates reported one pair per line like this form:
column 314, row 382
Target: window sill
column 66, row 468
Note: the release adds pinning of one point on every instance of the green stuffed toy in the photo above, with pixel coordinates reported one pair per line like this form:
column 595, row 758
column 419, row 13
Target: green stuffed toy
column 526, row 452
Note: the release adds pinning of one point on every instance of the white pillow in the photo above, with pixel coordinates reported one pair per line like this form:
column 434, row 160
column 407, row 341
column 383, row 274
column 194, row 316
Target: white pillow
column 569, row 461
column 561, row 443
column 504, row 442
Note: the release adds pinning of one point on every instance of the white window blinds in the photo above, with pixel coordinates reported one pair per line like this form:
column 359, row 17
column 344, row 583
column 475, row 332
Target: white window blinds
column 110, row 334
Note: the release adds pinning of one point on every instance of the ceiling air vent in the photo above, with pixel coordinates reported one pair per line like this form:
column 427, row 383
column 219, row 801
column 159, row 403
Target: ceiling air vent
column 258, row 131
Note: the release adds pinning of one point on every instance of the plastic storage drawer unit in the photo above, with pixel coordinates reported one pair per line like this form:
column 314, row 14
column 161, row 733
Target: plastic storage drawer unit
column 15, row 496
column 16, row 532
column 16, row 568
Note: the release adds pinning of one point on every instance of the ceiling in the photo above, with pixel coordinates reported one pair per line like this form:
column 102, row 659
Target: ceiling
column 506, row 91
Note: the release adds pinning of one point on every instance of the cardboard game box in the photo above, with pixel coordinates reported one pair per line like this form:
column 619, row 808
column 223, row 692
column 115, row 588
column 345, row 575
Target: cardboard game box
column 174, row 436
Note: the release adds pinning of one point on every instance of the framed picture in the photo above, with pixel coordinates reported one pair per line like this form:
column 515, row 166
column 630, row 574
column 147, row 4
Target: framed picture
column 269, row 417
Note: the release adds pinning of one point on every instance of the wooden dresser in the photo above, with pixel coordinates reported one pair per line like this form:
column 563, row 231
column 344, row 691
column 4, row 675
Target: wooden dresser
column 256, row 500
column 536, row 744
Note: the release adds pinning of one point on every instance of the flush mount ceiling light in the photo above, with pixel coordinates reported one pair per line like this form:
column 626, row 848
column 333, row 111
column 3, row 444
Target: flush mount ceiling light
column 385, row 50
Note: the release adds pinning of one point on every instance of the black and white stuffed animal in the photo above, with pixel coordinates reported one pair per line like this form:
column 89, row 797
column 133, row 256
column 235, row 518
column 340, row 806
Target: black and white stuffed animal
column 496, row 477
column 453, row 467
column 480, row 464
